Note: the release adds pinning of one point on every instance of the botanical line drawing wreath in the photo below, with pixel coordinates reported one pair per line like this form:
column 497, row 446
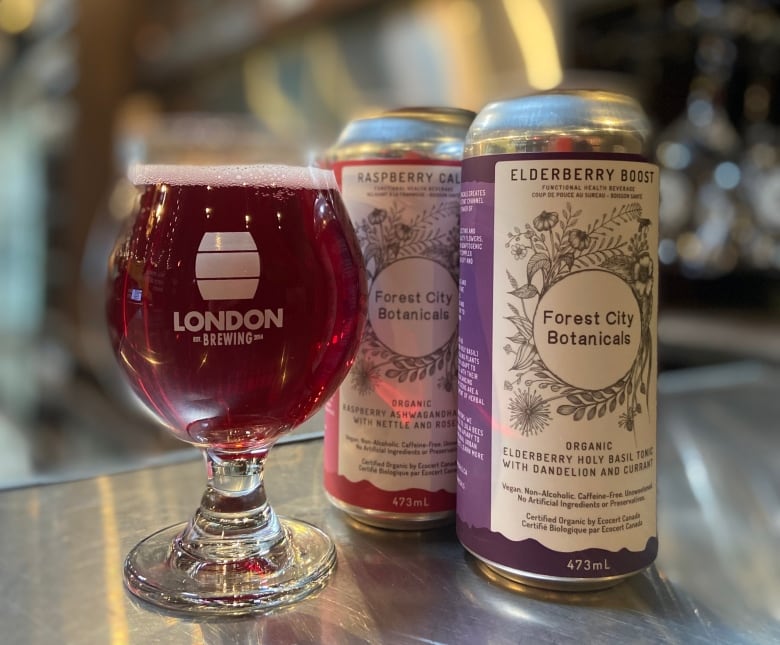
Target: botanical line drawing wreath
column 387, row 236
column 553, row 246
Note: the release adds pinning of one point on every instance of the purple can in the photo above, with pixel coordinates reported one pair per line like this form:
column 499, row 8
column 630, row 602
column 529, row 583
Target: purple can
column 556, row 481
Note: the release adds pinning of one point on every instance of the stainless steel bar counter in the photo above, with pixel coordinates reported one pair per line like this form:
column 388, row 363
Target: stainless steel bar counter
column 717, row 578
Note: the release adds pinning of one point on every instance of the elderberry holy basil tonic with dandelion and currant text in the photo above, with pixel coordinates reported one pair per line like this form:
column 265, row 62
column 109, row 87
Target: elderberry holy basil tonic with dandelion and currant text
column 557, row 352
column 390, row 432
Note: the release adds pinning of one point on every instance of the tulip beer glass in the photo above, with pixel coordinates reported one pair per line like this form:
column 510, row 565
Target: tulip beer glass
column 236, row 301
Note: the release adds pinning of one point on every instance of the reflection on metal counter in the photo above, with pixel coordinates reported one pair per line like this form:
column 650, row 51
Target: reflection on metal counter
column 716, row 580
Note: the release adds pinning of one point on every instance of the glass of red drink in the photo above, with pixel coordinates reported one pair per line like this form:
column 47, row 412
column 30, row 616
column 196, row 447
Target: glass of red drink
column 236, row 300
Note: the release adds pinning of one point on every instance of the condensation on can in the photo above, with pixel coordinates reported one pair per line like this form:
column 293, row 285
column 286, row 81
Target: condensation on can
column 574, row 125
column 413, row 135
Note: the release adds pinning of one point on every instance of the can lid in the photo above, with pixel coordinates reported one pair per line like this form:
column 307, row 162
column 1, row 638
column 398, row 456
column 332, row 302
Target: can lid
column 560, row 121
column 434, row 132
column 452, row 116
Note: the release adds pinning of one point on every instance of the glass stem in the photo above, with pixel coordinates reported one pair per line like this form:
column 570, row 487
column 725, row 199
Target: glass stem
column 234, row 521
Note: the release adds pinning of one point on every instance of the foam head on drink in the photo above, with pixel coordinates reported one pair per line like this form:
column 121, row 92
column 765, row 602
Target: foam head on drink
column 238, row 324
column 271, row 175
column 557, row 369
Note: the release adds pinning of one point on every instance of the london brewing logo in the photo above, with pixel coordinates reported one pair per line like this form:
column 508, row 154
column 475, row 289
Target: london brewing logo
column 227, row 268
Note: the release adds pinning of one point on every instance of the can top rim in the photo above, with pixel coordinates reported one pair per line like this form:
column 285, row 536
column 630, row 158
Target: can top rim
column 433, row 132
column 429, row 117
column 587, row 108
column 428, row 113
column 597, row 120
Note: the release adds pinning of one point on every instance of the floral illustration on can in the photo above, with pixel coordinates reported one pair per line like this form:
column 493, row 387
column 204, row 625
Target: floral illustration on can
column 555, row 245
column 387, row 237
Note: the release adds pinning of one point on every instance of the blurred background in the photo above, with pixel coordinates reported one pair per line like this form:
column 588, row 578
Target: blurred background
column 88, row 86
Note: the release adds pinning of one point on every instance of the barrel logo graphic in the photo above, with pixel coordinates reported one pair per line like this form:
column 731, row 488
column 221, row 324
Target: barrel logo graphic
column 227, row 266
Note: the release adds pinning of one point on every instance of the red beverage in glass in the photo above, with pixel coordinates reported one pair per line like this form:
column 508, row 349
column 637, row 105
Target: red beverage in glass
column 235, row 302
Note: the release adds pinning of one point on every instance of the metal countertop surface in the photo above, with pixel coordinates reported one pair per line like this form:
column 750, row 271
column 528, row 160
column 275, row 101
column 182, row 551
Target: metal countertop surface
column 717, row 578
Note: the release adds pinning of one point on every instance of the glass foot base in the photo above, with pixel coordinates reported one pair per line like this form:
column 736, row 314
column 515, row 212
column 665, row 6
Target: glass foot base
column 159, row 571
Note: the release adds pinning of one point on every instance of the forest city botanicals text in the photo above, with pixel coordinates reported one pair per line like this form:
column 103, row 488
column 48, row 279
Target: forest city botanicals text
column 617, row 320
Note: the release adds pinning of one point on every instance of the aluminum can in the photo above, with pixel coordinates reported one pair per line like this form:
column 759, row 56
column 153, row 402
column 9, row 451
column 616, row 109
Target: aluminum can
column 390, row 431
column 557, row 357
